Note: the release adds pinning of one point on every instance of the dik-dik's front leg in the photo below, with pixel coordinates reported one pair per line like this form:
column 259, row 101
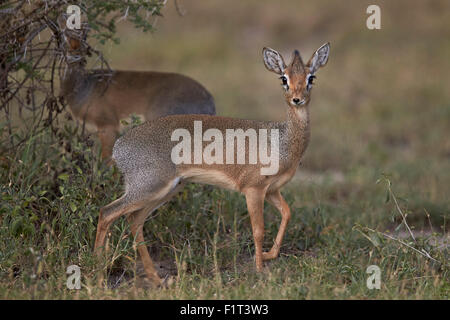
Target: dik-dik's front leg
column 276, row 199
column 107, row 136
column 255, row 206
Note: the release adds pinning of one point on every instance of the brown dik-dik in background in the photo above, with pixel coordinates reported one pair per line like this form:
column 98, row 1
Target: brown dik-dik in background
column 143, row 155
column 102, row 98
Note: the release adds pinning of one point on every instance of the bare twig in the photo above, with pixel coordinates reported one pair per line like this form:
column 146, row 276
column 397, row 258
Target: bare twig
column 181, row 11
column 391, row 194
column 422, row 252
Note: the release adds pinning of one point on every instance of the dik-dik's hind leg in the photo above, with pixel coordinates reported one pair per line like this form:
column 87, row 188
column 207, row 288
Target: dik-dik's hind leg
column 108, row 136
column 107, row 216
column 127, row 205
column 255, row 206
column 134, row 200
column 137, row 220
column 110, row 213
column 276, row 199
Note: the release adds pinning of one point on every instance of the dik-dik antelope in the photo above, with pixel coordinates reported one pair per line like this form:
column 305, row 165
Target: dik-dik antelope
column 143, row 155
column 102, row 99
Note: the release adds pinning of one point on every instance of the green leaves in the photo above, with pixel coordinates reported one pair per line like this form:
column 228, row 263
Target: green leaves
column 103, row 16
column 64, row 177
column 73, row 206
column 22, row 226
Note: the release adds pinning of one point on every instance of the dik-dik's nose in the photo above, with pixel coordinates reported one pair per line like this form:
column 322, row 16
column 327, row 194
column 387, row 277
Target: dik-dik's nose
column 297, row 101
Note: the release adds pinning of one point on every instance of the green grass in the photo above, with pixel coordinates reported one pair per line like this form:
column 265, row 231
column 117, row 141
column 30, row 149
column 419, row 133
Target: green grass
column 203, row 238
column 380, row 107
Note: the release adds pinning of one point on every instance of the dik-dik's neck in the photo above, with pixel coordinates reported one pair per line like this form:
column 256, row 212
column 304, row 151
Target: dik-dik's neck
column 70, row 77
column 297, row 132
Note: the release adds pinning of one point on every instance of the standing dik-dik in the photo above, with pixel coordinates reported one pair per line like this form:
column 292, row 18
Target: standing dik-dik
column 144, row 155
column 102, row 99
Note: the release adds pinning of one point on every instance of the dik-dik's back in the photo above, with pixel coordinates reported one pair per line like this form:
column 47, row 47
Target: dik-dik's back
column 103, row 99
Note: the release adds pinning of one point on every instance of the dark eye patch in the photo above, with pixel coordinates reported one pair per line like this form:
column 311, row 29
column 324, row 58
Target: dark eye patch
column 310, row 82
column 284, row 82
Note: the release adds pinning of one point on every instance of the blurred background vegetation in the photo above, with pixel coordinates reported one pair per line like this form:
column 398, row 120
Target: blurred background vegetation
column 381, row 106
column 381, row 103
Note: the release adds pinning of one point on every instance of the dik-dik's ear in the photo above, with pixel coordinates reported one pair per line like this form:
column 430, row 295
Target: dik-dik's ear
column 273, row 61
column 73, row 38
column 61, row 21
column 319, row 58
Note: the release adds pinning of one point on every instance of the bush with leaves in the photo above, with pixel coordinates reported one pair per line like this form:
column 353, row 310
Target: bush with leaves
column 32, row 52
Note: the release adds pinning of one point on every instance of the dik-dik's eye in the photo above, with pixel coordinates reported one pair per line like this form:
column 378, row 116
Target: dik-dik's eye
column 284, row 82
column 309, row 81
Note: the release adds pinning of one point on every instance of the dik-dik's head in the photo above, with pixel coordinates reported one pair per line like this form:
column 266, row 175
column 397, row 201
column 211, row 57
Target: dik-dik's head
column 73, row 41
column 297, row 78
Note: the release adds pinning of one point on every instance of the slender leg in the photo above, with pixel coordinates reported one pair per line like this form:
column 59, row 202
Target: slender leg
column 107, row 136
column 128, row 204
column 139, row 201
column 136, row 221
column 255, row 206
column 276, row 199
column 109, row 214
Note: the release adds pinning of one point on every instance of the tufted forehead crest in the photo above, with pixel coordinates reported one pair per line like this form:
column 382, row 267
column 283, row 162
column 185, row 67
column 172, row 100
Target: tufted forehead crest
column 297, row 64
